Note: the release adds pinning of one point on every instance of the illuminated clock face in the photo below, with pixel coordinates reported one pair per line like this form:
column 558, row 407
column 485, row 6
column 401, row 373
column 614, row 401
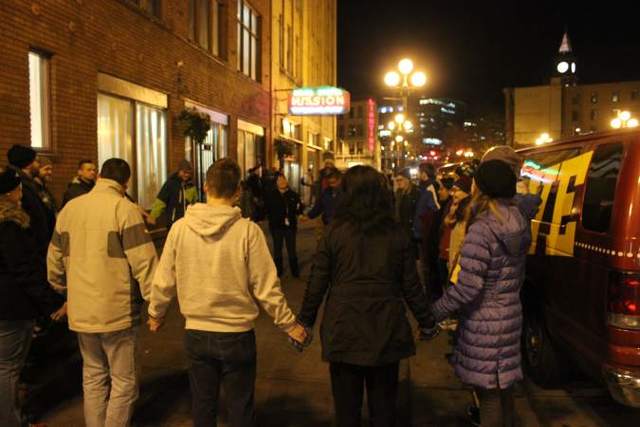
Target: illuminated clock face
column 563, row 67
column 573, row 67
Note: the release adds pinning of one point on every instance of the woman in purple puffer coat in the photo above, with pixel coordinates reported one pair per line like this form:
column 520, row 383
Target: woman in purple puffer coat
column 487, row 293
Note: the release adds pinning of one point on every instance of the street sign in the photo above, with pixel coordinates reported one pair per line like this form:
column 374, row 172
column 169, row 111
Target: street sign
column 319, row 101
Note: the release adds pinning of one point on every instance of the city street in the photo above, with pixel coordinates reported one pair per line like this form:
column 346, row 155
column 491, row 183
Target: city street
column 293, row 389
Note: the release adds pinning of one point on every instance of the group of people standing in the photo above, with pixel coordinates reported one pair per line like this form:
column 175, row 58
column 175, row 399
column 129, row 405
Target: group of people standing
column 470, row 233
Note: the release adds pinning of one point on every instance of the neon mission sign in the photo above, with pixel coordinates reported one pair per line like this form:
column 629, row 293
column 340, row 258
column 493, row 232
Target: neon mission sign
column 324, row 100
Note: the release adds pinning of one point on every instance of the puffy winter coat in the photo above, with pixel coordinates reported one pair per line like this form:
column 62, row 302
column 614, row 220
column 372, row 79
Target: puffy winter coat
column 487, row 297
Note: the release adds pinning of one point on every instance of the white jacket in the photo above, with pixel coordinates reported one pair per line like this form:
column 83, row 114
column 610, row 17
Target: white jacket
column 101, row 251
column 219, row 265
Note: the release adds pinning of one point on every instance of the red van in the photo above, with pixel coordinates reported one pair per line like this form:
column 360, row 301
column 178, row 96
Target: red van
column 581, row 297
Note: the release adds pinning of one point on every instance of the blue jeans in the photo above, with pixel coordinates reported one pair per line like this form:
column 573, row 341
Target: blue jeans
column 222, row 359
column 15, row 339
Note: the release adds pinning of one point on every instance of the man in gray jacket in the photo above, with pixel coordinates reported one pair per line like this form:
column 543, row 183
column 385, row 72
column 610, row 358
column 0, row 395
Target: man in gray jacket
column 101, row 252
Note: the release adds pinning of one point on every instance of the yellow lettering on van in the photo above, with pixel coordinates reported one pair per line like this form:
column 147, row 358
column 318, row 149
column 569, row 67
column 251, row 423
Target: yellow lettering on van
column 573, row 173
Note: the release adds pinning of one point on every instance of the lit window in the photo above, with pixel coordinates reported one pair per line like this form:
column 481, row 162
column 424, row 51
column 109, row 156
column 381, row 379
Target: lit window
column 204, row 24
column 615, row 97
column 39, row 99
column 594, row 98
column 248, row 41
column 137, row 133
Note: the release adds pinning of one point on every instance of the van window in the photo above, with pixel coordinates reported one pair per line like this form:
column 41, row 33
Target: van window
column 538, row 166
column 601, row 187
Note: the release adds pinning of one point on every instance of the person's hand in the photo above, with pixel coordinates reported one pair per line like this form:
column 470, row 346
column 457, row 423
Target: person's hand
column 59, row 314
column 298, row 337
column 155, row 324
column 427, row 334
column 150, row 220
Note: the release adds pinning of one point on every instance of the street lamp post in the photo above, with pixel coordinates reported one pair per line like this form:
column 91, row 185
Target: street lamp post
column 400, row 127
column 624, row 120
column 404, row 80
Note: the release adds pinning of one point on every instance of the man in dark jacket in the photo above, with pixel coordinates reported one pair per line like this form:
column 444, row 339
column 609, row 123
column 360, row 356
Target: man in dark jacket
column 326, row 204
column 283, row 206
column 407, row 197
column 175, row 195
column 82, row 183
column 23, row 159
column 256, row 189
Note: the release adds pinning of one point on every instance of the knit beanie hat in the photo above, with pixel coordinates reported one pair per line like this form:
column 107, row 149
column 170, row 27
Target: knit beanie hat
column 507, row 155
column 464, row 184
column 9, row 180
column 21, row 156
column 185, row 165
column 406, row 173
column 496, row 179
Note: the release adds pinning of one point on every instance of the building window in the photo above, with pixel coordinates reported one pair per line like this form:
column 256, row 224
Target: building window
column 634, row 95
column 594, row 115
column 575, row 116
column 594, row 98
column 576, row 100
column 152, row 7
column 248, row 41
column 341, row 131
column 204, row 24
column 137, row 133
column 39, row 100
column 615, row 97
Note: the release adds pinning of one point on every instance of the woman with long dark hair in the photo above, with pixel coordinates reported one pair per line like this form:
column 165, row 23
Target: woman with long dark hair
column 365, row 266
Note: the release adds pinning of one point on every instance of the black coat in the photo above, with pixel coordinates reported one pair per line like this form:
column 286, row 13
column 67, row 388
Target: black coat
column 368, row 278
column 42, row 223
column 24, row 291
column 283, row 205
column 76, row 188
column 406, row 204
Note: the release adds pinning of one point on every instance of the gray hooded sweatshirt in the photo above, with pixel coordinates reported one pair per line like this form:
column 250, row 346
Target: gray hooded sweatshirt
column 219, row 266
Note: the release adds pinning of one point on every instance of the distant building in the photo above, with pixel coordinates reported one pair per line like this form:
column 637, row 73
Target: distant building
column 358, row 142
column 565, row 108
column 439, row 121
column 303, row 54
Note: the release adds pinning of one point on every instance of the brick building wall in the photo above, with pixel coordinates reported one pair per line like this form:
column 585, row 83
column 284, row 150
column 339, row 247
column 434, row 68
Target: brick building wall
column 115, row 37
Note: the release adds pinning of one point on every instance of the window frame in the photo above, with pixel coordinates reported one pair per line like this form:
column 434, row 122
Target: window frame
column 253, row 62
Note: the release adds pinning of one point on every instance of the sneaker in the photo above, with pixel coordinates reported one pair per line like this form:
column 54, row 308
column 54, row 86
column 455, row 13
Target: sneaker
column 449, row 325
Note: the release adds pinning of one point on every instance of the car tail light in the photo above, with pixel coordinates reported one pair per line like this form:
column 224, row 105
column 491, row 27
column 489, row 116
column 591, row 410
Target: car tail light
column 623, row 300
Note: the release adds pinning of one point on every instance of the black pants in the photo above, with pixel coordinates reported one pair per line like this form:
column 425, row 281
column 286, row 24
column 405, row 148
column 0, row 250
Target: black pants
column 288, row 235
column 496, row 407
column 347, row 384
column 222, row 359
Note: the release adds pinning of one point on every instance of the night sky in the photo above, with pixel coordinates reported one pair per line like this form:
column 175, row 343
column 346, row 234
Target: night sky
column 472, row 49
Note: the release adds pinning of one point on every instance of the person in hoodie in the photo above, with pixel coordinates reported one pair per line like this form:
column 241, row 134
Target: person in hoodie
column 218, row 264
column 283, row 205
column 82, row 183
column 487, row 293
column 175, row 195
column 24, row 293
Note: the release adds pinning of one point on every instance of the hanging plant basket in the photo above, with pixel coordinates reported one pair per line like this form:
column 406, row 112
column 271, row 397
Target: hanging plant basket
column 194, row 124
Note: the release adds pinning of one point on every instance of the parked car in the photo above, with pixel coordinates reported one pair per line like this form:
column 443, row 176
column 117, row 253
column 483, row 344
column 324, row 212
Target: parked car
column 581, row 297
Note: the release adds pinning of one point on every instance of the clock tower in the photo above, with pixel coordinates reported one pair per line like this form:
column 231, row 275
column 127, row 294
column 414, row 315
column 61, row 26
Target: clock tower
column 565, row 67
